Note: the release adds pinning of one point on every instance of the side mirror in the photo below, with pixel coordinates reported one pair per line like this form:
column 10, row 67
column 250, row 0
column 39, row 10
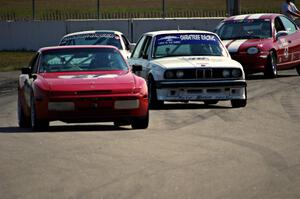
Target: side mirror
column 281, row 33
column 145, row 56
column 136, row 68
column 26, row 71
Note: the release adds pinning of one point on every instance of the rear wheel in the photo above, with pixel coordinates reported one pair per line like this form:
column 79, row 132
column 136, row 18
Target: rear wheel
column 140, row 122
column 23, row 120
column 152, row 95
column 36, row 123
column 271, row 67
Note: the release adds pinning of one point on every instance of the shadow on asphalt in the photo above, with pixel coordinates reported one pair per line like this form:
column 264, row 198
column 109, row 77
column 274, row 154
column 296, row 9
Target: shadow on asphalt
column 262, row 77
column 65, row 128
column 190, row 105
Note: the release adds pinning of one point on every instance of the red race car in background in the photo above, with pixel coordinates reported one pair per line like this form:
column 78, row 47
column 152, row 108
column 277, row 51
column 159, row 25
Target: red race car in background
column 262, row 42
column 81, row 84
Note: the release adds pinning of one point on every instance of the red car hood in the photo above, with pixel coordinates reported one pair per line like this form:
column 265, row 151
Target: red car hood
column 115, row 81
column 238, row 45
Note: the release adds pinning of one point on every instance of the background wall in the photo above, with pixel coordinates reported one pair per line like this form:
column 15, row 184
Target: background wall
column 31, row 35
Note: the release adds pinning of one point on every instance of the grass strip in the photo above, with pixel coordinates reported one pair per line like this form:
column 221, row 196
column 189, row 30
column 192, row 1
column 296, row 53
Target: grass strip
column 14, row 60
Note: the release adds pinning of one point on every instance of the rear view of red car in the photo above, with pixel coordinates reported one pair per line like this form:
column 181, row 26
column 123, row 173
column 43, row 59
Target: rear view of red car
column 81, row 84
column 262, row 42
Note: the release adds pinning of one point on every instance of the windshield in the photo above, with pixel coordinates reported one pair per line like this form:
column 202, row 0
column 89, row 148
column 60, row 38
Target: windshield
column 194, row 44
column 246, row 29
column 87, row 59
column 92, row 39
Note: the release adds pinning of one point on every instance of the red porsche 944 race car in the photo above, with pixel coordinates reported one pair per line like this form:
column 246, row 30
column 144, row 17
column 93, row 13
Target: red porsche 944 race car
column 81, row 84
column 262, row 42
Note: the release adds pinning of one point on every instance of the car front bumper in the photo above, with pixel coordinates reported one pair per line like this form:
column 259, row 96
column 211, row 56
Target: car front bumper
column 92, row 108
column 251, row 63
column 201, row 90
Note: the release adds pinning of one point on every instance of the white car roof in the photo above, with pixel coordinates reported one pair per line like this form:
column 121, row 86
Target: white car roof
column 154, row 33
column 92, row 32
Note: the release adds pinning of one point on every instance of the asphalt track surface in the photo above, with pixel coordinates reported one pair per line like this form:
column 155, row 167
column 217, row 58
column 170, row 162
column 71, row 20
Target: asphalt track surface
column 188, row 151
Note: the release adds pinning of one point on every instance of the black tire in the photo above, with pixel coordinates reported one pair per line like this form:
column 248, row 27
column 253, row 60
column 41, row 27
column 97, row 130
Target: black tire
column 152, row 95
column 210, row 102
column 140, row 122
column 271, row 67
column 36, row 123
column 298, row 70
column 119, row 123
column 238, row 103
column 23, row 120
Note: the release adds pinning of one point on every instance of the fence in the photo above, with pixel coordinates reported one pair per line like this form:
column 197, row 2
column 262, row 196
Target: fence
column 59, row 15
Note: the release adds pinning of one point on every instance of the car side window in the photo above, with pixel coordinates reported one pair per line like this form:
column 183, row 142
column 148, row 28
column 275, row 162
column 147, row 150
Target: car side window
column 137, row 49
column 33, row 63
column 142, row 48
column 145, row 49
column 126, row 42
column 278, row 25
column 289, row 26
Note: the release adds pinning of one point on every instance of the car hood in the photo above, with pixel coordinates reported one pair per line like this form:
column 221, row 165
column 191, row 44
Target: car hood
column 196, row 62
column 234, row 46
column 115, row 81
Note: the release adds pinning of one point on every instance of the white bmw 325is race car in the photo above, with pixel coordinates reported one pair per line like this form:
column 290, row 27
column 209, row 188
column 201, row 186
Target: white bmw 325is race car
column 188, row 65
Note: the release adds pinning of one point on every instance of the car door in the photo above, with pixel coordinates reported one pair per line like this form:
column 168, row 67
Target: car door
column 293, row 39
column 287, row 48
column 141, row 56
column 282, row 43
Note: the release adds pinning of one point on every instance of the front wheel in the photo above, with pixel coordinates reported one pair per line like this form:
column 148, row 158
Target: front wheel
column 238, row 103
column 23, row 120
column 298, row 70
column 140, row 122
column 271, row 67
column 121, row 122
column 36, row 123
column 152, row 95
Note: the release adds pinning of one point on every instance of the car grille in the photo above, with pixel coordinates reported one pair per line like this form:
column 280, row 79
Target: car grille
column 201, row 73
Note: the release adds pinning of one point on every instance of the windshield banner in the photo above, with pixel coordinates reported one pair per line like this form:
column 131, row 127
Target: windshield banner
column 174, row 39
column 91, row 36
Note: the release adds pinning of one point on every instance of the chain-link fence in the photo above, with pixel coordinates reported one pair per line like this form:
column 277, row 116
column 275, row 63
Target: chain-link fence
column 112, row 9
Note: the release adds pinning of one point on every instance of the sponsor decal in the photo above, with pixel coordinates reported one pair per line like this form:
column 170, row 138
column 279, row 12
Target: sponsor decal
column 197, row 58
column 283, row 43
column 88, row 76
column 197, row 61
column 234, row 46
column 286, row 52
column 168, row 38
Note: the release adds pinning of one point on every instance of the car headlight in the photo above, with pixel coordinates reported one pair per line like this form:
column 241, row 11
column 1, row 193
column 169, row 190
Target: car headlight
column 252, row 50
column 179, row 74
column 236, row 73
column 169, row 74
column 226, row 73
